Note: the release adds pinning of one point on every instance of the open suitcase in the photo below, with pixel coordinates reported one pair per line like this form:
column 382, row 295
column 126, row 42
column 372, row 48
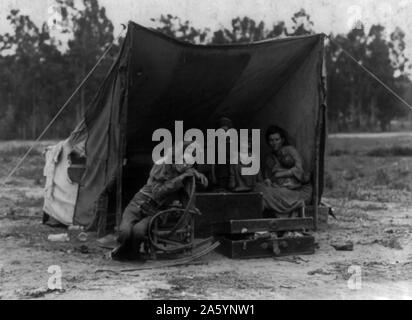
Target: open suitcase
column 258, row 238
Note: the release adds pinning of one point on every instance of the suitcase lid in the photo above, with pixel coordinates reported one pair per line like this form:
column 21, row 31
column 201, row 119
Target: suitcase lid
column 261, row 225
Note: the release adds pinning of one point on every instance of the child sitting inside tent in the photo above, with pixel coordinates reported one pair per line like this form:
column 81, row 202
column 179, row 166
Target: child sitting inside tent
column 239, row 182
column 221, row 172
column 166, row 184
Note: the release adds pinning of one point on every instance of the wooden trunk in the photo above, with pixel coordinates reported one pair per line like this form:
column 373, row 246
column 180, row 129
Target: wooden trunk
column 263, row 247
column 220, row 207
column 259, row 238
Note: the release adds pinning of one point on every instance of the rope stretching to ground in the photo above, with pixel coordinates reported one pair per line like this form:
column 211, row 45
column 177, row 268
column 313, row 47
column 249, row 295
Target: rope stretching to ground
column 370, row 73
column 66, row 104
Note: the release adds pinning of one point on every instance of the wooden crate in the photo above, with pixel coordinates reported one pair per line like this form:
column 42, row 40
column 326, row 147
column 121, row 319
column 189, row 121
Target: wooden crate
column 261, row 247
column 220, row 207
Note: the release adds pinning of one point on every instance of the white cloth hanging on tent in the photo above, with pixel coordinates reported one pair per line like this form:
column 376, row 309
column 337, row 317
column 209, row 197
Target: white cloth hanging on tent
column 52, row 155
column 60, row 192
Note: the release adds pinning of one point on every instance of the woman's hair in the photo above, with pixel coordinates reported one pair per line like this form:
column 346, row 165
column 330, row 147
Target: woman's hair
column 282, row 133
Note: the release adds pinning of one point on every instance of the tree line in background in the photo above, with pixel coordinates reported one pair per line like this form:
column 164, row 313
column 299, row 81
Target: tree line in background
column 37, row 75
column 39, row 72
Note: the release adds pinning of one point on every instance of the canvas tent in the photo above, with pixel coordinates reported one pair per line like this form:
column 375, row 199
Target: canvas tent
column 157, row 80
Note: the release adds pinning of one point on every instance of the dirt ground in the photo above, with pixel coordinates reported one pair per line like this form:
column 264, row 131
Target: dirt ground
column 368, row 181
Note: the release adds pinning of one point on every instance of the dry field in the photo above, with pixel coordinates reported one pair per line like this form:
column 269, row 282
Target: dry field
column 368, row 180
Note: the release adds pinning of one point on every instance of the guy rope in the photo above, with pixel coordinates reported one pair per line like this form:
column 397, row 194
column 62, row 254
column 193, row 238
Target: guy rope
column 65, row 105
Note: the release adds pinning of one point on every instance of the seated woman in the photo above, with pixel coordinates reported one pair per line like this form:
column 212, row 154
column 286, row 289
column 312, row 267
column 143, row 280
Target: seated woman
column 166, row 184
column 285, row 187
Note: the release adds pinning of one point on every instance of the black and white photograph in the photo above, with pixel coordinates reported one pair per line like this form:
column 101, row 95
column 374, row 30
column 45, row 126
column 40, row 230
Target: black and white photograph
column 222, row 151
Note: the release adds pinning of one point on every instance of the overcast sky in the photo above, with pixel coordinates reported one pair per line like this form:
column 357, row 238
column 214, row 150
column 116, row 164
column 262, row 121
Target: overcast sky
column 328, row 15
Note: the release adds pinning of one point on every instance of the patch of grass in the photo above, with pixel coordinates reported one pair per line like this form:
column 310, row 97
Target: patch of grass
column 394, row 151
column 31, row 168
column 362, row 144
column 399, row 185
column 371, row 207
column 32, row 172
column 372, row 168
column 339, row 152
column 18, row 152
column 28, row 202
column 381, row 178
column 329, row 182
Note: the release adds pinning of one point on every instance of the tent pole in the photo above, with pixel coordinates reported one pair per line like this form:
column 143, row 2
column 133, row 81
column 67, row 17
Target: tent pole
column 119, row 180
column 318, row 138
column 316, row 195
column 121, row 162
column 122, row 150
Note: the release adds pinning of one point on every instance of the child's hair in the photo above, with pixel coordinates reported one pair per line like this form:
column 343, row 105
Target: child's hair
column 225, row 122
column 288, row 162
